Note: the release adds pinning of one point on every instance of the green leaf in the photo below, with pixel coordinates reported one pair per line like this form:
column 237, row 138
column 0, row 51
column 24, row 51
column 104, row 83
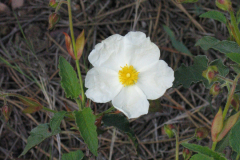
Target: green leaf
column 56, row 120
column 176, row 44
column 235, row 57
column 74, row 155
column 120, row 122
column 235, row 138
column 85, row 121
column 236, row 67
column 201, row 157
column 37, row 135
column 204, row 150
column 192, row 74
column 227, row 47
column 221, row 145
column 69, row 80
column 222, row 46
column 222, row 69
column 215, row 15
column 207, row 42
column 238, row 19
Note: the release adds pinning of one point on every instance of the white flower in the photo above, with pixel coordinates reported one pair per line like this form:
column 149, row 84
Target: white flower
column 127, row 71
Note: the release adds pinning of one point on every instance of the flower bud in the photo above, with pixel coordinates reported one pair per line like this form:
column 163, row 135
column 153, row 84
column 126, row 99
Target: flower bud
column 53, row 3
column 168, row 129
column 225, row 5
column 53, row 20
column 217, row 125
column 187, row 1
column 210, row 73
column 186, row 154
column 235, row 102
column 6, row 111
column 228, row 124
column 215, row 89
column 201, row 133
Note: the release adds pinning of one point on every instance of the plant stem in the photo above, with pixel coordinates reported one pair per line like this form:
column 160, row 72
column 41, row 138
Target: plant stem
column 235, row 26
column 79, row 104
column 230, row 96
column 177, row 145
column 81, row 82
column 75, row 53
column 214, row 146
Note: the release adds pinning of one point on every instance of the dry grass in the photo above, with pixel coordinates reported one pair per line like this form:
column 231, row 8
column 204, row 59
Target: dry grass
column 32, row 71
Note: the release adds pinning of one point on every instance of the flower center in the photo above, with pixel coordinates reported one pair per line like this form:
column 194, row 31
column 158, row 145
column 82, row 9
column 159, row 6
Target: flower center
column 128, row 75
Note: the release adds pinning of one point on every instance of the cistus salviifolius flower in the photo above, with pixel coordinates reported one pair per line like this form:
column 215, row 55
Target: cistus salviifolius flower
column 127, row 71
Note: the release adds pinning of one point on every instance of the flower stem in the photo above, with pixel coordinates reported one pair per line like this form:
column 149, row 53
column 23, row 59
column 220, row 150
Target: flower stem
column 79, row 104
column 75, row 53
column 214, row 146
column 81, row 82
column 230, row 96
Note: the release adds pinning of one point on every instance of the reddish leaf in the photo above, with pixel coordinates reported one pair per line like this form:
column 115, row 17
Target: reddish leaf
column 217, row 125
column 80, row 42
column 6, row 111
column 68, row 42
column 227, row 126
column 32, row 105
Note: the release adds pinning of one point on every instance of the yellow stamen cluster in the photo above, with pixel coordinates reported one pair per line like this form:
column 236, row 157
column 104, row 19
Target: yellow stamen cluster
column 128, row 75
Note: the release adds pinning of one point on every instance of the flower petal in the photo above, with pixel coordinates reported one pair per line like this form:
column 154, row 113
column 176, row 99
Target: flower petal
column 155, row 79
column 103, row 84
column 142, row 51
column 109, row 53
column 133, row 49
column 131, row 101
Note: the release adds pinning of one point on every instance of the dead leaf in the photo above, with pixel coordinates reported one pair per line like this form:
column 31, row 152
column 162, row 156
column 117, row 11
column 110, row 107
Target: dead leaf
column 4, row 8
column 17, row 4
